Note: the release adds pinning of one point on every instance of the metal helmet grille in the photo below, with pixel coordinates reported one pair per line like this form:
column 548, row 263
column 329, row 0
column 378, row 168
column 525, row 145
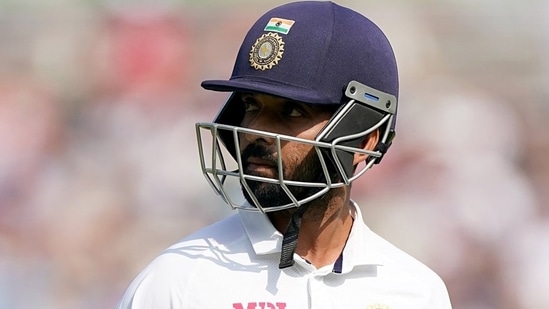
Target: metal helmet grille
column 224, row 171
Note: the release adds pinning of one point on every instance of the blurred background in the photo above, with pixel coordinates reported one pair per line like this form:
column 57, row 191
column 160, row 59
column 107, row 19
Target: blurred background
column 99, row 169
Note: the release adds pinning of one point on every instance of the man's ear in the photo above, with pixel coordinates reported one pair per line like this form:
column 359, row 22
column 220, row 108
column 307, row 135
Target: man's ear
column 369, row 143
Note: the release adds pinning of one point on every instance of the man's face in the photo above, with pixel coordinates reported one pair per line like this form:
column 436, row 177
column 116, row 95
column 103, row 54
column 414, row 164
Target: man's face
column 259, row 153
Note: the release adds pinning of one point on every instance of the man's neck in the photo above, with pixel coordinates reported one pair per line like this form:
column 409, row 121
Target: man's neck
column 324, row 229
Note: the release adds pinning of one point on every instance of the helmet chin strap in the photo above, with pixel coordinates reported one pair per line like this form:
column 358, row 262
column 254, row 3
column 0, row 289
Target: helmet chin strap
column 289, row 242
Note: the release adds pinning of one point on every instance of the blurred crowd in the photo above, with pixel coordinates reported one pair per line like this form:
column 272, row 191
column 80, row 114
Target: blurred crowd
column 99, row 168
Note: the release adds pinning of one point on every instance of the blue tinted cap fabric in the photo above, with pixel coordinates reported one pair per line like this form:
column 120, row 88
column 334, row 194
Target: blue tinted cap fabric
column 309, row 51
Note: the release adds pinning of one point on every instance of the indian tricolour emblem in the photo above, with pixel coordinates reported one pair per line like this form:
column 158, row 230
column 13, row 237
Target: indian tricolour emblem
column 279, row 25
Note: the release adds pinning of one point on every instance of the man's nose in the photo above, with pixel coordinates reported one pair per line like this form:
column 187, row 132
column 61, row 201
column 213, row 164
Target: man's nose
column 263, row 124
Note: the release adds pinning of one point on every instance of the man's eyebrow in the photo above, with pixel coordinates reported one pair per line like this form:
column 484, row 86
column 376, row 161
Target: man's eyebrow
column 242, row 95
column 289, row 101
column 307, row 105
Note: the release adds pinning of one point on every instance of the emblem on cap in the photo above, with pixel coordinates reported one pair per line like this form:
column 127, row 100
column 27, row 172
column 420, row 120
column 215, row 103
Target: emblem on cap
column 266, row 51
column 279, row 25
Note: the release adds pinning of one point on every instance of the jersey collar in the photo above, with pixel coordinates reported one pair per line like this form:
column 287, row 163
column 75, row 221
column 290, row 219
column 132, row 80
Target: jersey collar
column 359, row 250
column 265, row 238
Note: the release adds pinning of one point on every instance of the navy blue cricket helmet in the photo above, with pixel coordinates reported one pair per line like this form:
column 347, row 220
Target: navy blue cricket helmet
column 314, row 52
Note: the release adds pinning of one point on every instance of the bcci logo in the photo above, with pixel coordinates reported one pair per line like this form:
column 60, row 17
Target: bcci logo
column 266, row 51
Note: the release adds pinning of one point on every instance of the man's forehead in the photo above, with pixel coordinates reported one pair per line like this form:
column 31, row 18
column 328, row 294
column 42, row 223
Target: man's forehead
column 278, row 99
column 265, row 96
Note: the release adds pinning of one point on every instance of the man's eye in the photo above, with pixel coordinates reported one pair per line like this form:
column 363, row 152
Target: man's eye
column 250, row 106
column 294, row 112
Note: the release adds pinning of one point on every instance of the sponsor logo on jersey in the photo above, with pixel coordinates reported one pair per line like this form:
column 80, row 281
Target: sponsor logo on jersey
column 279, row 25
column 260, row 305
column 266, row 51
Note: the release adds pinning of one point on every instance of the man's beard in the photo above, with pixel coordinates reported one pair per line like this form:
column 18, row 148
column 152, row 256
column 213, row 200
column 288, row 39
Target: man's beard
column 270, row 194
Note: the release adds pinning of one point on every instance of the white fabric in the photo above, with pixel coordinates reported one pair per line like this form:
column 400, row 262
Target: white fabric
column 234, row 264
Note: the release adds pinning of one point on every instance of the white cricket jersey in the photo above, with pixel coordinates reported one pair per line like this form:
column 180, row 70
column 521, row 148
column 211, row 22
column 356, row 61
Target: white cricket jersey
column 233, row 264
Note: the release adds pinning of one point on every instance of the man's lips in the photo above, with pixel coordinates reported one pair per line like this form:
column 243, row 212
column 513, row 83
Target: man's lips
column 258, row 161
column 256, row 165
